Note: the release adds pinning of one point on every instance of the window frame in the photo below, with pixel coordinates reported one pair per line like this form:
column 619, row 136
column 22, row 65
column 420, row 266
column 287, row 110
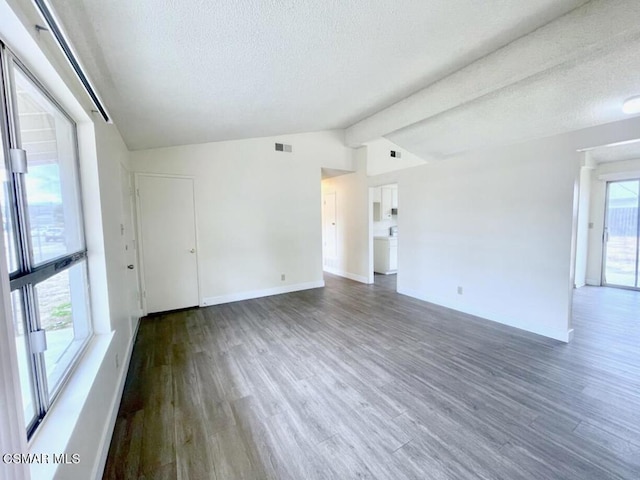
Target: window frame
column 29, row 273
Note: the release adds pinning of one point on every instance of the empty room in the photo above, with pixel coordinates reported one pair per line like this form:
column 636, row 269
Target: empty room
column 320, row 240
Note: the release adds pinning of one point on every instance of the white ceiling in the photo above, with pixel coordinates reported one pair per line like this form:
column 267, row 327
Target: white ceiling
column 195, row 71
column 571, row 97
column 573, row 73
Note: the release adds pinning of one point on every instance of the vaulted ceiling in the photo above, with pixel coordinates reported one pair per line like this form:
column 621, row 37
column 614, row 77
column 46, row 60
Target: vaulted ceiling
column 434, row 76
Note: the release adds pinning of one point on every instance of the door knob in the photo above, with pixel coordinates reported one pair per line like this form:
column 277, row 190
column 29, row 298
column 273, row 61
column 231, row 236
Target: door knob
column 130, row 267
column 193, row 250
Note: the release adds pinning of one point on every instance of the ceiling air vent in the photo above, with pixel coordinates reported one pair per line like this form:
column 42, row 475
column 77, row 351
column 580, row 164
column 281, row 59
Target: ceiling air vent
column 395, row 154
column 281, row 147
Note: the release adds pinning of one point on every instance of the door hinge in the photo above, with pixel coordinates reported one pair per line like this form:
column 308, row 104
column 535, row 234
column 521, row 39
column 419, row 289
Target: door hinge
column 18, row 160
column 38, row 341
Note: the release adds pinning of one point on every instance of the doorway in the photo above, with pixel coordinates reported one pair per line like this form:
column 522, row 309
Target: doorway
column 129, row 244
column 166, row 219
column 621, row 252
column 384, row 231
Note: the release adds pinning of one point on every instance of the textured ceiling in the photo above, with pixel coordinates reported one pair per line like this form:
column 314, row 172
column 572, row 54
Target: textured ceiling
column 174, row 72
column 569, row 98
column 573, row 73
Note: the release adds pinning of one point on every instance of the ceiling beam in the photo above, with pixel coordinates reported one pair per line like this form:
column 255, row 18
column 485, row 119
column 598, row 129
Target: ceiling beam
column 598, row 26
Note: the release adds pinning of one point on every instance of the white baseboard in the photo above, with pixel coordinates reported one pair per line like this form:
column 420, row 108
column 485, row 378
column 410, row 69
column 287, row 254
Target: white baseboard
column 350, row 276
column 248, row 295
column 594, row 282
column 561, row 335
column 105, row 442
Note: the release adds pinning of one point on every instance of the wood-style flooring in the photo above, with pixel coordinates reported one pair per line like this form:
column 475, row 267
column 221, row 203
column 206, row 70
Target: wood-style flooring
column 355, row 381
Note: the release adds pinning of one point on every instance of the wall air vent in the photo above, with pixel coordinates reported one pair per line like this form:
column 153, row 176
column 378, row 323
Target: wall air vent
column 395, row 154
column 281, row 147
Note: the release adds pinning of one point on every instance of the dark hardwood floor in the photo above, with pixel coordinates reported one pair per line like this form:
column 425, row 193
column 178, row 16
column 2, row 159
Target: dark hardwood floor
column 388, row 282
column 355, row 381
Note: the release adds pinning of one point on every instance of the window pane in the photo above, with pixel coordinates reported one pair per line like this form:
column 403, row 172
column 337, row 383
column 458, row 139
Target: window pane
column 51, row 184
column 63, row 313
column 24, row 358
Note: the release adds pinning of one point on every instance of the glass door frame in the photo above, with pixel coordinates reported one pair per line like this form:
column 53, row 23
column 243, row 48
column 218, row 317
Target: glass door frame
column 605, row 239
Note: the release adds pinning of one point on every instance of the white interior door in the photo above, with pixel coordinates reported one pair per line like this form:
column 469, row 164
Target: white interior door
column 330, row 251
column 168, row 242
column 127, row 231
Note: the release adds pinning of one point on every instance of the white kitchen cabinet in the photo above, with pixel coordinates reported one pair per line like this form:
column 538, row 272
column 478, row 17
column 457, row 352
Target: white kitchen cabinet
column 393, row 255
column 385, row 255
column 386, row 202
column 377, row 212
column 385, row 198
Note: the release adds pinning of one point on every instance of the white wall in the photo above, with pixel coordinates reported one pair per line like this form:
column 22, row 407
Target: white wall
column 352, row 221
column 258, row 211
column 603, row 172
column 498, row 224
column 379, row 160
column 582, row 240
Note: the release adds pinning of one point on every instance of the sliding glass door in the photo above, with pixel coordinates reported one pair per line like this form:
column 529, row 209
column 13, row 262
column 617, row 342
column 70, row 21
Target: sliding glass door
column 622, row 232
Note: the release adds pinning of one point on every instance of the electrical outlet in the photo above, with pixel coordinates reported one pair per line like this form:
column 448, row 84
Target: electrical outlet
column 459, row 290
column 283, row 277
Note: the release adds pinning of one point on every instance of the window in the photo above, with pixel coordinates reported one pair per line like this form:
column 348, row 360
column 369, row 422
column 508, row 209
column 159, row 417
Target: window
column 43, row 234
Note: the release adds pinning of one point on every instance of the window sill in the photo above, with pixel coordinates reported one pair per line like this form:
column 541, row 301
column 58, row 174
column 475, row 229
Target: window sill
column 53, row 435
